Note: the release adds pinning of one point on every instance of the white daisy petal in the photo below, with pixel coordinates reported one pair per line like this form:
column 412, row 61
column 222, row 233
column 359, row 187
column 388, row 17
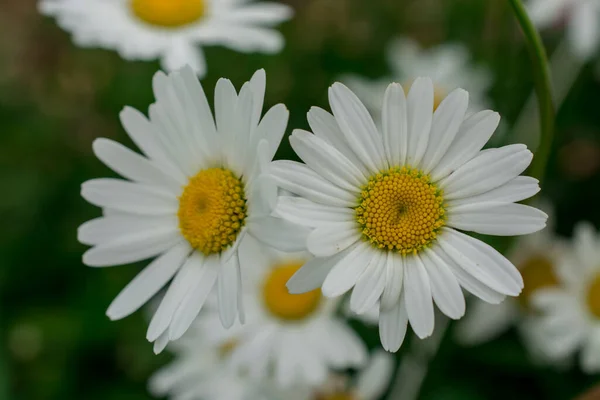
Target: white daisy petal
column 130, row 197
column 517, row 189
column 148, row 282
column 206, row 270
column 590, row 361
column 370, row 285
column 305, row 212
column 445, row 289
column 447, row 120
column 313, row 273
column 392, row 325
column 345, row 273
column 419, row 106
column 326, row 160
column 473, row 134
column 501, row 220
column 161, row 343
column 393, row 280
column 394, row 119
column 330, row 239
column 482, row 261
column 417, row 294
column 225, row 102
column 106, row 229
column 301, row 180
column 258, row 83
column 279, row 233
column 584, row 33
column 375, row 378
column 358, row 126
column 272, row 127
column 228, row 290
column 488, row 170
column 261, row 13
column 324, row 126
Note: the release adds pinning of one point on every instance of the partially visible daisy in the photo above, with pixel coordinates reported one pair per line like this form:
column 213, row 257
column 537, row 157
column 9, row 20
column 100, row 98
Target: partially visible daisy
column 170, row 30
column 582, row 18
column 297, row 338
column 536, row 257
column 201, row 370
column 190, row 200
column 570, row 312
column 369, row 384
column 448, row 65
column 385, row 208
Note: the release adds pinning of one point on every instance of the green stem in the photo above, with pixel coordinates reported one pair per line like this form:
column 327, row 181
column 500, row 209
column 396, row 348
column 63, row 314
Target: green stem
column 543, row 89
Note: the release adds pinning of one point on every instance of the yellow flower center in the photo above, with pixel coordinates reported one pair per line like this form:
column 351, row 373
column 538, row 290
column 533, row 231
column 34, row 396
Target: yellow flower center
column 212, row 210
column 538, row 273
column 593, row 297
column 282, row 304
column 168, row 13
column 400, row 209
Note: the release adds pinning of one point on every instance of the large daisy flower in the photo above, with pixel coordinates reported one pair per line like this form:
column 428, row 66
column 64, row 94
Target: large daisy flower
column 190, row 201
column 296, row 338
column 536, row 257
column 582, row 18
column 170, row 30
column 570, row 312
column 386, row 208
column 449, row 65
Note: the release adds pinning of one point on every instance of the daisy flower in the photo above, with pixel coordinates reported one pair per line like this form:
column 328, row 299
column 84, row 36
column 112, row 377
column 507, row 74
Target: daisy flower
column 369, row 384
column 190, row 200
column 385, row 208
column 535, row 256
column 570, row 312
column 297, row 338
column 170, row 30
column 449, row 66
column 582, row 19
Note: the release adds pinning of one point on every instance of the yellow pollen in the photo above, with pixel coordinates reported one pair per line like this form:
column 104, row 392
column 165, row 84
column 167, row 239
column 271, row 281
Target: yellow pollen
column 212, row 210
column 282, row 304
column 168, row 13
column 538, row 273
column 439, row 93
column 401, row 210
column 593, row 297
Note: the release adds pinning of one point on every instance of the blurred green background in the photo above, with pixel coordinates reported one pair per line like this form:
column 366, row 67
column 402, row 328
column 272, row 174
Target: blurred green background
column 55, row 99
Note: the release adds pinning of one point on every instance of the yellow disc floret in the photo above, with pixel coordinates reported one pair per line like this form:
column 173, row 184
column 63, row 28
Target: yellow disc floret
column 168, row 13
column 538, row 273
column 282, row 304
column 400, row 209
column 212, row 210
column 593, row 297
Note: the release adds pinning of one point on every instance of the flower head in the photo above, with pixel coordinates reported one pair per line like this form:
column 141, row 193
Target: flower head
column 170, row 30
column 385, row 208
column 190, row 201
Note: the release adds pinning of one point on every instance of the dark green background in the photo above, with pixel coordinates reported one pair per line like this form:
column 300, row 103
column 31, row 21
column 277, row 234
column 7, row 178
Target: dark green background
column 55, row 99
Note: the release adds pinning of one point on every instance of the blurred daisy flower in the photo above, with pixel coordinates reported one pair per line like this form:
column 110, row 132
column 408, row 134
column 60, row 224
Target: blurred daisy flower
column 536, row 257
column 448, row 65
column 190, row 200
column 296, row 338
column 170, row 30
column 369, row 384
column 385, row 207
column 582, row 18
column 570, row 312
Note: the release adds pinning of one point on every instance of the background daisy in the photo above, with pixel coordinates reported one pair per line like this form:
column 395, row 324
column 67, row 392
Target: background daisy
column 296, row 338
column 190, row 201
column 570, row 320
column 582, row 18
column 385, row 208
column 170, row 30
column 448, row 65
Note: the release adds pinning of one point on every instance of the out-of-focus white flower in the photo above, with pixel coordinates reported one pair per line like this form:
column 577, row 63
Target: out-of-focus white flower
column 535, row 256
column 570, row 312
column 448, row 65
column 385, row 207
column 369, row 384
column 190, row 202
column 170, row 30
column 296, row 337
column 582, row 18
